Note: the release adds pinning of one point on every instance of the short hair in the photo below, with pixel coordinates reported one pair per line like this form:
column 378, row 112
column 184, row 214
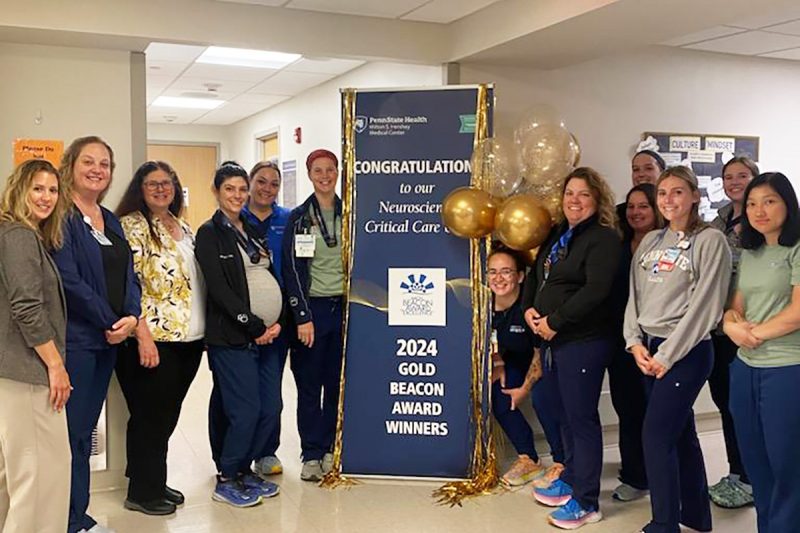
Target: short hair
column 316, row 154
column 14, row 205
column 67, row 168
column 133, row 199
column 742, row 160
column 655, row 155
column 264, row 164
column 601, row 192
column 751, row 238
column 228, row 170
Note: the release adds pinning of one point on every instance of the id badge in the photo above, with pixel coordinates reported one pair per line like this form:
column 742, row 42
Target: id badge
column 100, row 238
column 667, row 261
column 304, row 245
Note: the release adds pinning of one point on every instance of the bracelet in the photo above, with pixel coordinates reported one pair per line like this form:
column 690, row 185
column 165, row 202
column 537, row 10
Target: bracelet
column 496, row 364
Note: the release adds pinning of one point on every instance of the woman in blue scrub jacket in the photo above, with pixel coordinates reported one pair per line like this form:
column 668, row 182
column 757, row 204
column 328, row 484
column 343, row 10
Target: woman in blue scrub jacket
column 103, row 307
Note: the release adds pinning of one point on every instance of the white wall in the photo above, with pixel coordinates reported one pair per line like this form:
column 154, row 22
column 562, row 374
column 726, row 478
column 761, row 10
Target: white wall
column 78, row 91
column 318, row 113
column 609, row 102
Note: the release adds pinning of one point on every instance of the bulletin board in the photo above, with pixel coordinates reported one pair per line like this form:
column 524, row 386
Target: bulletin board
column 705, row 154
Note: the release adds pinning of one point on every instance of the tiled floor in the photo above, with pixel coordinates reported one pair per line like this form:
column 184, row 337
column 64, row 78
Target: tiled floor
column 374, row 506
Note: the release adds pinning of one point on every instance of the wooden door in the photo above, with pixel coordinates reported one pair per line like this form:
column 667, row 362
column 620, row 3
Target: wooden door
column 269, row 148
column 195, row 165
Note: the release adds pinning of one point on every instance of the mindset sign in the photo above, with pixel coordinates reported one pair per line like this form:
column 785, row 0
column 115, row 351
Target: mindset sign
column 407, row 375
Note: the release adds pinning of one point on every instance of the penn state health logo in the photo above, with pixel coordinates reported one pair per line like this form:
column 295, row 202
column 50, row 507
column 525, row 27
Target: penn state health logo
column 417, row 296
column 361, row 123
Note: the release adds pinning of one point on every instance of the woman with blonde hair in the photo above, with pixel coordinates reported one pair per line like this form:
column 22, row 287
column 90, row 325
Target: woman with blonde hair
column 679, row 284
column 565, row 295
column 102, row 295
column 34, row 383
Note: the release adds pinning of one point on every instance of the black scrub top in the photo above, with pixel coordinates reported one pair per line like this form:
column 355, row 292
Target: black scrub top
column 514, row 338
column 115, row 267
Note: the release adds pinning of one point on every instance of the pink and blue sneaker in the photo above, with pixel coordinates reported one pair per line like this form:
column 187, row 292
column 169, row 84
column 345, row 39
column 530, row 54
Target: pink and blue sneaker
column 555, row 495
column 572, row 516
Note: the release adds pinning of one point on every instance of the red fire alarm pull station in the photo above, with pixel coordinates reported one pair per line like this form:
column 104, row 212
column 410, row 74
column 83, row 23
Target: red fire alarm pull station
column 298, row 135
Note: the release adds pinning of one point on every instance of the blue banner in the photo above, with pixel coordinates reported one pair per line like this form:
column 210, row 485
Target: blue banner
column 407, row 409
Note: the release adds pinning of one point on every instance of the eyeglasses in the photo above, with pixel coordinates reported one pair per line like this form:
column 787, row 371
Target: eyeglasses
column 504, row 272
column 155, row 185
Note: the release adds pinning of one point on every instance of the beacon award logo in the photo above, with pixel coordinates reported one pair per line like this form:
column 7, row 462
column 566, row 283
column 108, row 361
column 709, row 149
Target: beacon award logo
column 417, row 297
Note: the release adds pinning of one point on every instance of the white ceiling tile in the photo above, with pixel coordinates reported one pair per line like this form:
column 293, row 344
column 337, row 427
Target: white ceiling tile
column 267, row 100
column 170, row 115
column 793, row 53
column 225, row 96
column 271, row 3
column 446, row 11
column 173, row 52
column 768, row 19
column 166, row 68
column 225, row 72
column 323, row 65
column 705, row 35
column 230, row 113
column 749, row 43
column 158, row 81
column 791, row 28
column 368, row 8
column 187, row 83
column 290, row 83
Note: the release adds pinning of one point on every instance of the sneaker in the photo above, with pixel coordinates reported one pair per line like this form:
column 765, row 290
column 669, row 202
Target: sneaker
column 731, row 493
column 572, row 516
column 628, row 493
column 524, row 470
column 233, row 492
column 312, row 470
column 97, row 528
column 550, row 475
column 266, row 489
column 327, row 463
column 268, row 466
column 157, row 507
column 556, row 495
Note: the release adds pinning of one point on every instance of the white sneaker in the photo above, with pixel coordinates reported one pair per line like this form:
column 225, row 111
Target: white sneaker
column 627, row 493
column 312, row 471
column 97, row 528
column 268, row 466
column 327, row 463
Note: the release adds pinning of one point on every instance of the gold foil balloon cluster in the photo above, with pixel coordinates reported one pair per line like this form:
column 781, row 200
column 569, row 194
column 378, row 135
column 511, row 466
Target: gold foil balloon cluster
column 517, row 182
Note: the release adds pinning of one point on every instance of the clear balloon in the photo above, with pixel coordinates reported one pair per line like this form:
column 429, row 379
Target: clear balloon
column 575, row 148
column 546, row 153
column 535, row 117
column 495, row 165
column 522, row 223
column 469, row 212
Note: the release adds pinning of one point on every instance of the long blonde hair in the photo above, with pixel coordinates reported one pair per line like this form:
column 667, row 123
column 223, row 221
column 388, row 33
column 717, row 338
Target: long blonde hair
column 696, row 223
column 67, row 167
column 603, row 196
column 14, row 205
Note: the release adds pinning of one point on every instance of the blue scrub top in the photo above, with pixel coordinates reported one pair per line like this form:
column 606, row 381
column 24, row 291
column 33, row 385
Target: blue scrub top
column 271, row 229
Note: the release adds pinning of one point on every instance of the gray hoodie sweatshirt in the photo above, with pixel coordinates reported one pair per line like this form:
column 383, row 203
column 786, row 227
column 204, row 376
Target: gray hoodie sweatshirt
column 678, row 289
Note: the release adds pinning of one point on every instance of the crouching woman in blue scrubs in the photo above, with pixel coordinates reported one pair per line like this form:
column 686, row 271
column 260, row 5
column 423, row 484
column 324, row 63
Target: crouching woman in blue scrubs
column 243, row 309
column 314, row 278
column 103, row 307
column 679, row 284
column 764, row 321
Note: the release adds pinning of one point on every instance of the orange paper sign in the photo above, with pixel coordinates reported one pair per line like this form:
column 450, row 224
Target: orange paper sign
column 25, row 149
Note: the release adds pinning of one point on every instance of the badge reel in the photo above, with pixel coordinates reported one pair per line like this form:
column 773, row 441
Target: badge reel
column 98, row 235
column 304, row 245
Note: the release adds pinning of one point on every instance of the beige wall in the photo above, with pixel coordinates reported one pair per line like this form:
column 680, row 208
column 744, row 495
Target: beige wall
column 78, row 91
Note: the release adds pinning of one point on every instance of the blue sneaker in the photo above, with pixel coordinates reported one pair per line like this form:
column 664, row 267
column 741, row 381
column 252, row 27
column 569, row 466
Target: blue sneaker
column 233, row 492
column 572, row 515
column 556, row 495
column 266, row 489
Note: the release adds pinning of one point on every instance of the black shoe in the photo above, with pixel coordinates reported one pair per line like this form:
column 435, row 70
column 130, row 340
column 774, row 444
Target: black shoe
column 151, row 507
column 174, row 496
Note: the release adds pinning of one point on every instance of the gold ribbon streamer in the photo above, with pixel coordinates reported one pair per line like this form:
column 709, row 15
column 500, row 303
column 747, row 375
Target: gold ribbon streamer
column 334, row 478
column 483, row 466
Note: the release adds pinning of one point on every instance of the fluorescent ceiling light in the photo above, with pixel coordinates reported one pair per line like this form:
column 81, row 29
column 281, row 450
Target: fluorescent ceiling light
column 187, row 103
column 240, row 57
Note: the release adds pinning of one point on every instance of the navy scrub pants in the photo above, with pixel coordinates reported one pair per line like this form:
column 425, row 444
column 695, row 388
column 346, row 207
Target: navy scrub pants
column 514, row 423
column 629, row 401
column 90, row 373
column 766, row 411
column 675, row 469
column 580, row 367
column 272, row 361
column 243, row 425
column 316, row 372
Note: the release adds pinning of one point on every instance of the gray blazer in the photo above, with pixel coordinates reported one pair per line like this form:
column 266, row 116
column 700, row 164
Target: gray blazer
column 32, row 304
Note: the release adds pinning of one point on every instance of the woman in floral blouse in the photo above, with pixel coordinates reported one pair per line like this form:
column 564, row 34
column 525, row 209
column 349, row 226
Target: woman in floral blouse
column 156, row 367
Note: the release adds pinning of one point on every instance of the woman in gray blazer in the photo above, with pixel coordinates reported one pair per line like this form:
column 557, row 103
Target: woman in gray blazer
column 34, row 384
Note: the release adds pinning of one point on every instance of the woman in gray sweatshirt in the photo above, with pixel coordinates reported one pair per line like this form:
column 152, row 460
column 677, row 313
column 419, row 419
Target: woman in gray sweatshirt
column 34, row 385
column 679, row 284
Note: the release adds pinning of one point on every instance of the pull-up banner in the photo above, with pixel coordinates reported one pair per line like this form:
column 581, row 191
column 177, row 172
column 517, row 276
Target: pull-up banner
column 407, row 376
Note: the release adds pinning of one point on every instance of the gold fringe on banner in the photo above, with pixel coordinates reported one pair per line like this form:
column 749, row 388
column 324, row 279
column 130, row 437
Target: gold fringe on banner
column 483, row 467
column 334, row 478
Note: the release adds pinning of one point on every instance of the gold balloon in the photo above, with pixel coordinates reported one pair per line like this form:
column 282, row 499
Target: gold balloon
column 469, row 212
column 575, row 147
column 529, row 256
column 522, row 222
